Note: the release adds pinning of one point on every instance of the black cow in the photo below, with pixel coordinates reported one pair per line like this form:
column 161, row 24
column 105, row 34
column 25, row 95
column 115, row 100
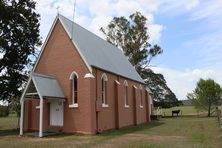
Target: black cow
column 175, row 112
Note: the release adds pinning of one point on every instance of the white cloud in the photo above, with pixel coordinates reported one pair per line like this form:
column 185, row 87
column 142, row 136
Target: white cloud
column 127, row 7
column 176, row 7
column 99, row 22
column 191, row 4
column 155, row 32
column 207, row 47
column 101, row 8
column 207, row 9
column 151, row 5
column 183, row 82
column 94, row 14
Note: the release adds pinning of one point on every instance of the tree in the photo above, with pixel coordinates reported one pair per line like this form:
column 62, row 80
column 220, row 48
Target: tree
column 19, row 37
column 206, row 95
column 131, row 36
column 163, row 96
column 15, row 106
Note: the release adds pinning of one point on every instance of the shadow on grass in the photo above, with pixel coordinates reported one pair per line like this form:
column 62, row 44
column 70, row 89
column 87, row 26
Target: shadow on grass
column 8, row 132
column 114, row 132
column 131, row 129
column 106, row 134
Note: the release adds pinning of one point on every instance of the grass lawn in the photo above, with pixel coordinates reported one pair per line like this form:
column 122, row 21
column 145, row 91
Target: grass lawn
column 184, row 110
column 168, row 132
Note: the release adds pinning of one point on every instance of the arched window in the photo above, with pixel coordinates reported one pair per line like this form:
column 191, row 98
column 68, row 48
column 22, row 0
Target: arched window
column 125, row 84
column 151, row 105
column 74, row 88
column 104, row 80
column 141, row 96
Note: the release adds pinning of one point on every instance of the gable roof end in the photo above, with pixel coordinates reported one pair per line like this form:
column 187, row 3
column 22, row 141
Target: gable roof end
column 47, row 38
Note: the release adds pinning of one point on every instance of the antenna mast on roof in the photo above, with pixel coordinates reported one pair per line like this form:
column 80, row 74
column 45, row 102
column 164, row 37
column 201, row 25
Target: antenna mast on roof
column 74, row 10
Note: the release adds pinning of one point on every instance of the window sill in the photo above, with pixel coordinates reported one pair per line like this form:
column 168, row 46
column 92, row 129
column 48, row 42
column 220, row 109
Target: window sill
column 105, row 105
column 127, row 106
column 74, row 105
column 141, row 106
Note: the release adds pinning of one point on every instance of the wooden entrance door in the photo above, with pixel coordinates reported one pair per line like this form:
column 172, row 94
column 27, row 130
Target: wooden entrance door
column 56, row 113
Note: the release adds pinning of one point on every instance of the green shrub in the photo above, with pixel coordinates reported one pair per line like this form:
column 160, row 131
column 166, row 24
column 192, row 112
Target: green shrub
column 4, row 111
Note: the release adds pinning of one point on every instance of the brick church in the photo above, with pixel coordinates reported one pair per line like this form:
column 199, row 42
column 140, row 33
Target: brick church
column 82, row 84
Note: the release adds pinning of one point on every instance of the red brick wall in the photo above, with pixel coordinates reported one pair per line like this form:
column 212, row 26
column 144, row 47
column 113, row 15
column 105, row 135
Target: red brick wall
column 31, row 117
column 127, row 117
column 108, row 118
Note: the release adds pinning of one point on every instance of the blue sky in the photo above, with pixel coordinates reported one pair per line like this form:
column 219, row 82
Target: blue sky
column 189, row 31
column 184, row 40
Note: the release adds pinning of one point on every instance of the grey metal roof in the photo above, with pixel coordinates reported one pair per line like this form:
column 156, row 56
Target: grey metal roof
column 47, row 86
column 99, row 53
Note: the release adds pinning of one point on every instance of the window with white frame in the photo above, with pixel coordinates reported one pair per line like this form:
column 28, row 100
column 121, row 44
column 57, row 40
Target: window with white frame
column 125, row 84
column 74, row 89
column 141, row 96
column 104, row 80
